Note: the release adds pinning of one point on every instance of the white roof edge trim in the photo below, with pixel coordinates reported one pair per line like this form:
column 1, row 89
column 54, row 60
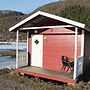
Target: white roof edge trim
column 24, row 21
column 78, row 24
column 49, row 16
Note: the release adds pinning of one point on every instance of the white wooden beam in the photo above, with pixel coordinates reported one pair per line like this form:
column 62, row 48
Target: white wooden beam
column 75, row 53
column 45, row 27
column 27, row 40
column 82, row 43
column 17, row 48
column 27, row 45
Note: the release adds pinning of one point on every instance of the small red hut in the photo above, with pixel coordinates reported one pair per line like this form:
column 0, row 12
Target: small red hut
column 49, row 37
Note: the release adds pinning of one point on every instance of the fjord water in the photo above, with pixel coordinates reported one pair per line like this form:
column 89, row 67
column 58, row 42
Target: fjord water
column 9, row 61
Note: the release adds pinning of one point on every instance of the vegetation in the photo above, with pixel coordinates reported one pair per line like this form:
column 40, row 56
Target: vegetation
column 77, row 13
column 11, row 80
column 8, row 19
column 78, row 10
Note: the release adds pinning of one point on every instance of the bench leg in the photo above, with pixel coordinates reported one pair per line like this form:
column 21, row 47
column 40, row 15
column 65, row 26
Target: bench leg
column 63, row 68
column 67, row 69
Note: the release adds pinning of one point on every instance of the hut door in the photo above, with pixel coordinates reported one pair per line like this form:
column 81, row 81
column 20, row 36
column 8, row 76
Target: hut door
column 37, row 50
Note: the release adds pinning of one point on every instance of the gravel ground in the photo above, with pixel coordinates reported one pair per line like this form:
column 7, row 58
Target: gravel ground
column 13, row 85
column 11, row 80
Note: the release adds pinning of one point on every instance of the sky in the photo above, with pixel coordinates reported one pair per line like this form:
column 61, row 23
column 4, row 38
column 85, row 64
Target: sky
column 25, row 6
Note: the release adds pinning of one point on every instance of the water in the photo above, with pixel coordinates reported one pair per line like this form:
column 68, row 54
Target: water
column 12, row 46
column 8, row 61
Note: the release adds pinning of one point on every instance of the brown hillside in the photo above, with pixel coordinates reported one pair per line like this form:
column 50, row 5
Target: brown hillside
column 56, row 7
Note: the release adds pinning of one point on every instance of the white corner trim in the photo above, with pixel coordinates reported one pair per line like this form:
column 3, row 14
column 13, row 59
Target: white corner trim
column 75, row 53
column 50, row 16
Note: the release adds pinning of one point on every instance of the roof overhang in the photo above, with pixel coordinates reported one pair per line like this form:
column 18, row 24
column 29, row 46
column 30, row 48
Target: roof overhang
column 71, row 22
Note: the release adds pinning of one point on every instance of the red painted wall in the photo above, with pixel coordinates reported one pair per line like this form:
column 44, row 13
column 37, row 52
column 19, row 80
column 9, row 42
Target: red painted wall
column 55, row 45
column 29, row 51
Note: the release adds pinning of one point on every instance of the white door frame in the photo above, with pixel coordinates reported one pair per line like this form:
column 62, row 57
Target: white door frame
column 37, row 51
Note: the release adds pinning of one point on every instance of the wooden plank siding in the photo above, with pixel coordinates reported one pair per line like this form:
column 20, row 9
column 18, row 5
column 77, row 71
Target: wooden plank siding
column 29, row 50
column 54, row 46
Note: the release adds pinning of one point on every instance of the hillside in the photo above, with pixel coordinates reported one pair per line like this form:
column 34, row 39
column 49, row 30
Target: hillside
column 7, row 19
column 9, row 13
column 78, row 10
column 57, row 7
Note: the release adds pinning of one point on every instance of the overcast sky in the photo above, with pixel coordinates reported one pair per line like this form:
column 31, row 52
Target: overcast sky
column 25, row 6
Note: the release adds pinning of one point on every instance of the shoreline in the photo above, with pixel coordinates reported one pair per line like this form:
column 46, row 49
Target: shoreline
column 11, row 53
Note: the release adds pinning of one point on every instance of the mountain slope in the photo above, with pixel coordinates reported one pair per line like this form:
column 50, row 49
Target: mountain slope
column 55, row 7
column 78, row 10
column 7, row 19
column 9, row 13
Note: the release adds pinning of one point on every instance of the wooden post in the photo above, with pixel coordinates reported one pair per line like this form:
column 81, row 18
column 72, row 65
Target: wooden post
column 17, row 49
column 27, row 45
column 27, row 40
column 75, row 53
